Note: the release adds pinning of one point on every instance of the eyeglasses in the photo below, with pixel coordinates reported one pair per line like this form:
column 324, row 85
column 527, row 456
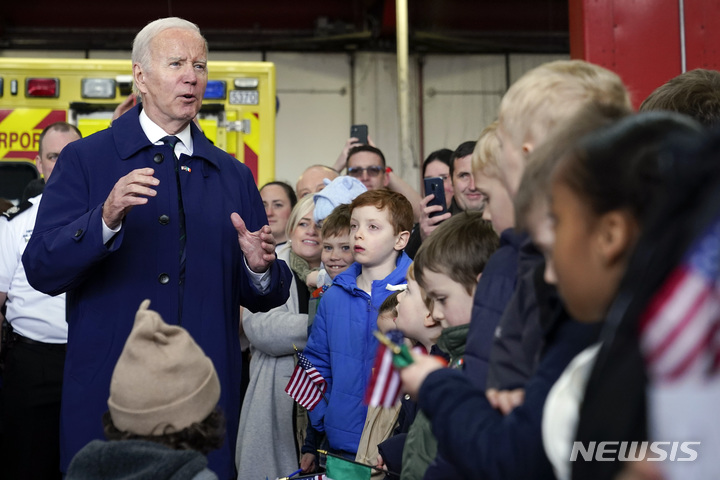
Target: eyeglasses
column 372, row 171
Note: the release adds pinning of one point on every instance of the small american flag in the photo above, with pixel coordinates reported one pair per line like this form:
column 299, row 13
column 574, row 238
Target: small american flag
column 320, row 476
column 680, row 330
column 384, row 387
column 306, row 386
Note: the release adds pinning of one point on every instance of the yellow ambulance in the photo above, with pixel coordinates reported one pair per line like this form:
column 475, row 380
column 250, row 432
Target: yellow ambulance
column 238, row 112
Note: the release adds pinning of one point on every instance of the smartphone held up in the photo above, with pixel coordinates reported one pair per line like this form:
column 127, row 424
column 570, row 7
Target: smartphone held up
column 436, row 186
column 360, row 132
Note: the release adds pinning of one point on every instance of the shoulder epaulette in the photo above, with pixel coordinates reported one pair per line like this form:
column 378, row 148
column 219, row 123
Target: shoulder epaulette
column 13, row 212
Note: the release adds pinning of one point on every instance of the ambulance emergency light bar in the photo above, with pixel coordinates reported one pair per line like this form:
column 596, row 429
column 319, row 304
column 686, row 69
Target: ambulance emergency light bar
column 215, row 90
column 249, row 82
column 98, row 88
column 105, row 88
column 42, row 87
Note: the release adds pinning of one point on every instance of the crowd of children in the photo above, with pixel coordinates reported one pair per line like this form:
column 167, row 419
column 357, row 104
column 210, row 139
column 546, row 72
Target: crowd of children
column 547, row 322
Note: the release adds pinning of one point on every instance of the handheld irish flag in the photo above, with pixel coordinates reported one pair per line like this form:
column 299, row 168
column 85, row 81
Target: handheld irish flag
column 384, row 386
column 339, row 468
column 306, row 386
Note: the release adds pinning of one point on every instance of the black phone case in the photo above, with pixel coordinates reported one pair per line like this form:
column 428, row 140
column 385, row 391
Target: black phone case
column 360, row 132
column 435, row 186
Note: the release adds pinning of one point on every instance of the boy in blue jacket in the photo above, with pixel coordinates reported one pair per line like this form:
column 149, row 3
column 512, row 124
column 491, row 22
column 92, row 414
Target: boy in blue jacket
column 341, row 345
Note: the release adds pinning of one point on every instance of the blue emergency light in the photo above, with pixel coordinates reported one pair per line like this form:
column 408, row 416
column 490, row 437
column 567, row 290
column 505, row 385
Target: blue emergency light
column 215, row 90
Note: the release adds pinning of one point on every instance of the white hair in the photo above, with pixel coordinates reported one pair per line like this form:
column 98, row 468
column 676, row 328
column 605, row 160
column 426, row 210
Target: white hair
column 141, row 44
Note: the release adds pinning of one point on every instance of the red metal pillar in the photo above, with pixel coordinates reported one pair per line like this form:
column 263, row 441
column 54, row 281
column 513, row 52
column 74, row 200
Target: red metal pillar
column 643, row 41
column 702, row 33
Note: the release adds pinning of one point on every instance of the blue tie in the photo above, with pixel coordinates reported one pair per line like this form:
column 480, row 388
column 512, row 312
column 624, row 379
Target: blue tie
column 171, row 140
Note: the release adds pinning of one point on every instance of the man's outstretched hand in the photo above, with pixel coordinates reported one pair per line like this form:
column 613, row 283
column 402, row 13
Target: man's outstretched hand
column 258, row 247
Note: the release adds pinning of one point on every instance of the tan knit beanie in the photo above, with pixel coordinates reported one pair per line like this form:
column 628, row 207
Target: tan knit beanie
column 163, row 382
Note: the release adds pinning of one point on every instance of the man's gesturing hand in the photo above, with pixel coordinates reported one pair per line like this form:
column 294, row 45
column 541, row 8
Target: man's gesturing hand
column 258, row 247
column 132, row 189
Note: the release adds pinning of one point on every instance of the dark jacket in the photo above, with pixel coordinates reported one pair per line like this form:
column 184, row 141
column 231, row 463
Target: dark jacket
column 137, row 460
column 515, row 351
column 492, row 295
column 478, row 440
column 106, row 284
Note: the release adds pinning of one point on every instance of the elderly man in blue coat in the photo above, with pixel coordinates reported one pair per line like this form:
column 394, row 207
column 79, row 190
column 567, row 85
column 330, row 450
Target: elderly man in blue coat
column 151, row 209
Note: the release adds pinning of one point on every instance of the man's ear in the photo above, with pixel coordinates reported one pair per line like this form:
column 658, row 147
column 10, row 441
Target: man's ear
column 402, row 240
column 617, row 232
column 38, row 164
column 139, row 78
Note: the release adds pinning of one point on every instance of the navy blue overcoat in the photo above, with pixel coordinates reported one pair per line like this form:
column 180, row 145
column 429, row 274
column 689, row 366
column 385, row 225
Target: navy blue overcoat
column 105, row 285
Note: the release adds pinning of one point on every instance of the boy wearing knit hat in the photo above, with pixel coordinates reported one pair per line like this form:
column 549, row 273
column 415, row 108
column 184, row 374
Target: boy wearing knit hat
column 163, row 417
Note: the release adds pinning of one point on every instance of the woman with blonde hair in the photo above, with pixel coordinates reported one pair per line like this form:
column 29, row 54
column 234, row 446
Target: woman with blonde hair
column 266, row 442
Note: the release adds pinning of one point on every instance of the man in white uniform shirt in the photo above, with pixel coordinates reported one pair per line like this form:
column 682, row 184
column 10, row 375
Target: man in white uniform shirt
column 35, row 350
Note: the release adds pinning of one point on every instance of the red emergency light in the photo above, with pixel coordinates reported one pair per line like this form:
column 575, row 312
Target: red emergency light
column 42, row 87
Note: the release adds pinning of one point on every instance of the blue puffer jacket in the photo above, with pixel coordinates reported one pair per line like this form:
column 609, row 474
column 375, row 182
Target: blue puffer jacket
column 342, row 348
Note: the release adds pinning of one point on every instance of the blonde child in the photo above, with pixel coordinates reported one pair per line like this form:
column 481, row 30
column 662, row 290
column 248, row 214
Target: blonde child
column 499, row 208
column 500, row 277
column 543, row 98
